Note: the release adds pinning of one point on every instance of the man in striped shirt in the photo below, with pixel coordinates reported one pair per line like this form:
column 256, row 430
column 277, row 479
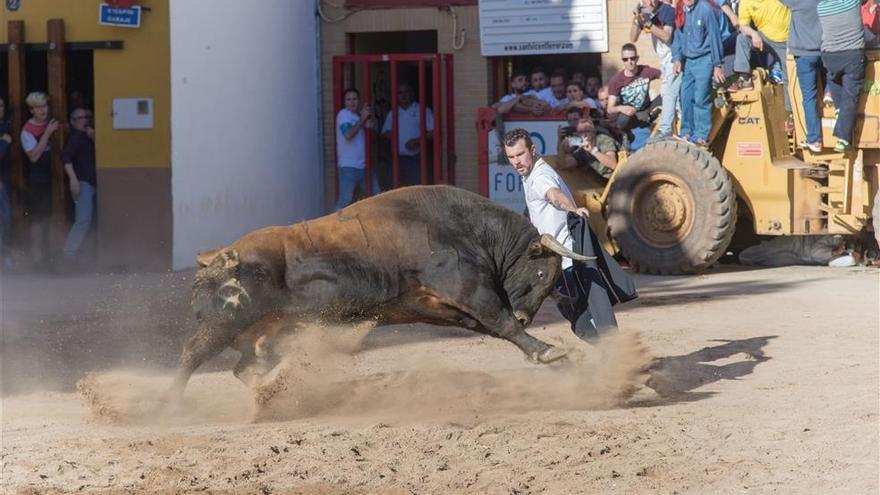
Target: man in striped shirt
column 843, row 54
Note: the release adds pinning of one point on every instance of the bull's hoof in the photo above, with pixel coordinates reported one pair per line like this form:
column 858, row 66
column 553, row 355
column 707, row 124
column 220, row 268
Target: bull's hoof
column 551, row 354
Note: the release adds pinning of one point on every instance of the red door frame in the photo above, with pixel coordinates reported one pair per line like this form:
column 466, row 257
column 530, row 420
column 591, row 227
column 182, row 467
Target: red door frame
column 440, row 62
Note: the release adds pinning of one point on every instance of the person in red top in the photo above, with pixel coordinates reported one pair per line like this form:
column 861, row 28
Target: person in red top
column 35, row 136
column 629, row 101
column 871, row 17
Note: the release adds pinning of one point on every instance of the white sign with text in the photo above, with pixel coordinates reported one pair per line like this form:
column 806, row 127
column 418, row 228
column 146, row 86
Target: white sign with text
column 536, row 27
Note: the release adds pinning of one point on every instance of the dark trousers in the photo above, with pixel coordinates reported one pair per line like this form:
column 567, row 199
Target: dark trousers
column 846, row 74
column 410, row 170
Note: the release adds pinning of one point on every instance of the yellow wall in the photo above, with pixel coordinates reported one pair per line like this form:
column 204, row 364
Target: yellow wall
column 140, row 69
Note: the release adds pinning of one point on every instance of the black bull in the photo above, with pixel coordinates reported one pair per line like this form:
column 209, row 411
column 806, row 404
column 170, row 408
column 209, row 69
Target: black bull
column 432, row 254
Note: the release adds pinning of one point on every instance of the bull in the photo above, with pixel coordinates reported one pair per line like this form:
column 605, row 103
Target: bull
column 424, row 254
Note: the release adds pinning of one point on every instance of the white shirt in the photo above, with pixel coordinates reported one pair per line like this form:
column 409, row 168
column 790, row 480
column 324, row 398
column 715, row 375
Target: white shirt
column 664, row 54
column 349, row 152
column 408, row 127
column 547, row 95
column 543, row 215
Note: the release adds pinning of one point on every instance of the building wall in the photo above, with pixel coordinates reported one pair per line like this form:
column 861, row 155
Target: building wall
column 244, row 120
column 472, row 78
column 134, row 216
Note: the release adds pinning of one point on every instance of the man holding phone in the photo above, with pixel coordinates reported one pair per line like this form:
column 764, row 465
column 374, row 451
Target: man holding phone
column 584, row 146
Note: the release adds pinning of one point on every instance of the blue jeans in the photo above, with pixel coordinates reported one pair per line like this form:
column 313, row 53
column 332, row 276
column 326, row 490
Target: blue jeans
column 846, row 76
column 808, row 72
column 669, row 91
column 351, row 178
column 696, row 97
column 84, row 208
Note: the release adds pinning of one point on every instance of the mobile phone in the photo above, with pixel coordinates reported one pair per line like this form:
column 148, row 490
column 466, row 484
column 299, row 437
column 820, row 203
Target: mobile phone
column 575, row 141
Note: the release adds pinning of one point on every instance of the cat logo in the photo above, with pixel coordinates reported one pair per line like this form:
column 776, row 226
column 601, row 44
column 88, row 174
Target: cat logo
column 749, row 120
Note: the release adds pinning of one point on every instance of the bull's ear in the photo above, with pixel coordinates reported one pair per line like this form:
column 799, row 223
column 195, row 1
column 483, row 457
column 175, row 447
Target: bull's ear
column 206, row 257
column 535, row 249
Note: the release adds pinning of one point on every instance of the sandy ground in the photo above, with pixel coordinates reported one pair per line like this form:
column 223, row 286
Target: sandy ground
column 770, row 380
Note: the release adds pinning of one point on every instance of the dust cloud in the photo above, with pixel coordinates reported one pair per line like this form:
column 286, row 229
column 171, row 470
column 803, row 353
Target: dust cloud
column 324, row 373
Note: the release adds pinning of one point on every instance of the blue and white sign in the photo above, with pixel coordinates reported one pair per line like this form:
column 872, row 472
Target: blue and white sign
column 505, row 185
column 122, row 17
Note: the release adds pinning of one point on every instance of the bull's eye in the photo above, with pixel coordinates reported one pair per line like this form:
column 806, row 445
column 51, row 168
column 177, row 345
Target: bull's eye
column 541, row 274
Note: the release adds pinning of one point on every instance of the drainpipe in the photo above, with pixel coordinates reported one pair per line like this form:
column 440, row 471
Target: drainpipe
column 320, row 117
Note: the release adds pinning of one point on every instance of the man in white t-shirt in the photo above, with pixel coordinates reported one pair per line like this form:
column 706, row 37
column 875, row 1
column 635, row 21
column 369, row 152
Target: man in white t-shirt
column 658, row 18
column 549, row 202
column 408, row 142
column 350, row 150
column 554, row 94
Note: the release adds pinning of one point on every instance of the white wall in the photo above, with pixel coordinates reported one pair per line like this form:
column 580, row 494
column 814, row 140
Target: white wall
column 244, row 126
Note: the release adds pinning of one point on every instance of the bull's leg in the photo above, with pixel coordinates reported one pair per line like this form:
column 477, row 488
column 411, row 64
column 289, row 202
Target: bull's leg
column 536, row 349
column 206, row 344
column 256, row 346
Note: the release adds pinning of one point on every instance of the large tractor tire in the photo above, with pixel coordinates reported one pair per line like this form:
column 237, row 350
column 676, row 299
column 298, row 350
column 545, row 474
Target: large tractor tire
column 672, row 209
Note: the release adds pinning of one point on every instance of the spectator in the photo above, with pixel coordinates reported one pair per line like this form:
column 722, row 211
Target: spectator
column 697, row 55
column 805, row 44
column 658, row 18
column 871, row 18
column 843, row 54
column 579, row 77
column 5, row 203
column 769, row 35
column 35, row 142
column 573, row 116
column 577, row 98
column 588, row 148
column 602, row 99
column 552, row 211
column 409, row 133
column 591, row 87
column 729, row 25
column 79, row 164
column 518, row 100
column 554, row 95
column 628, row 91
column 538, row 81
column 350, row 147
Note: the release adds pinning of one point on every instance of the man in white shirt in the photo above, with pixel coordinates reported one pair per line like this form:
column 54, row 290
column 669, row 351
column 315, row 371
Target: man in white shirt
column 408, row 135
column 549, row 202
column 554, row 94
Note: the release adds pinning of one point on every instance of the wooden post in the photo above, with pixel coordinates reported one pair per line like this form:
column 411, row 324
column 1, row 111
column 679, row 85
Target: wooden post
column 15, row 107
column 58, row 110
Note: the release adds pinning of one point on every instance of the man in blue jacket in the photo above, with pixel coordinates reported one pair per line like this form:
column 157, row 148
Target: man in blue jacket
column 697, row 54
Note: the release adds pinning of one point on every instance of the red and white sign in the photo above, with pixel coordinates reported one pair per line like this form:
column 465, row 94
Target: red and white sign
column 749, row 150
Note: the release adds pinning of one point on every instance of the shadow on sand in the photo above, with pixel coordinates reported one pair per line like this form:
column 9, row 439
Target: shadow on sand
column 675, row 378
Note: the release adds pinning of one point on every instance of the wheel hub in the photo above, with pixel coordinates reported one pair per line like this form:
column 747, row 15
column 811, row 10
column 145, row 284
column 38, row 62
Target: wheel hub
column 663, row 210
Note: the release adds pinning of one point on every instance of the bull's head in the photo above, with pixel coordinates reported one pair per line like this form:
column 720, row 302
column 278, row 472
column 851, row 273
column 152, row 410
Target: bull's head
column 217, row 289
column 533, row 276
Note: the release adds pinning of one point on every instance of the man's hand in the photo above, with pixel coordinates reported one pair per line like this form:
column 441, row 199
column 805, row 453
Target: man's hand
column 7, row 138
column 626, row 110
column 74, row 188
column 413, row 144
column 366, row 112
column 90, row 133
column 581, row 212
column 676, row 67
column 718, row 73
column 52, row 127
column 757, row 42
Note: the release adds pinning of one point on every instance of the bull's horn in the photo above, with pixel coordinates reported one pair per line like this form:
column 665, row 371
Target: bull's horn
column 550, row 242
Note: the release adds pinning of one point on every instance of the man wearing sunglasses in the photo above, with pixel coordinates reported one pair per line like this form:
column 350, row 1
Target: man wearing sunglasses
column 629, row 101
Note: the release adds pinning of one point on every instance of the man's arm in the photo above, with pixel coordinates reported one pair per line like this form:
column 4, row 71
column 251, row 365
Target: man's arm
column 635, row 29
column 352, row 130
column 507, row 106
column 731, row 15
column 561, row 201
column 613, row 107
column 663, row 33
